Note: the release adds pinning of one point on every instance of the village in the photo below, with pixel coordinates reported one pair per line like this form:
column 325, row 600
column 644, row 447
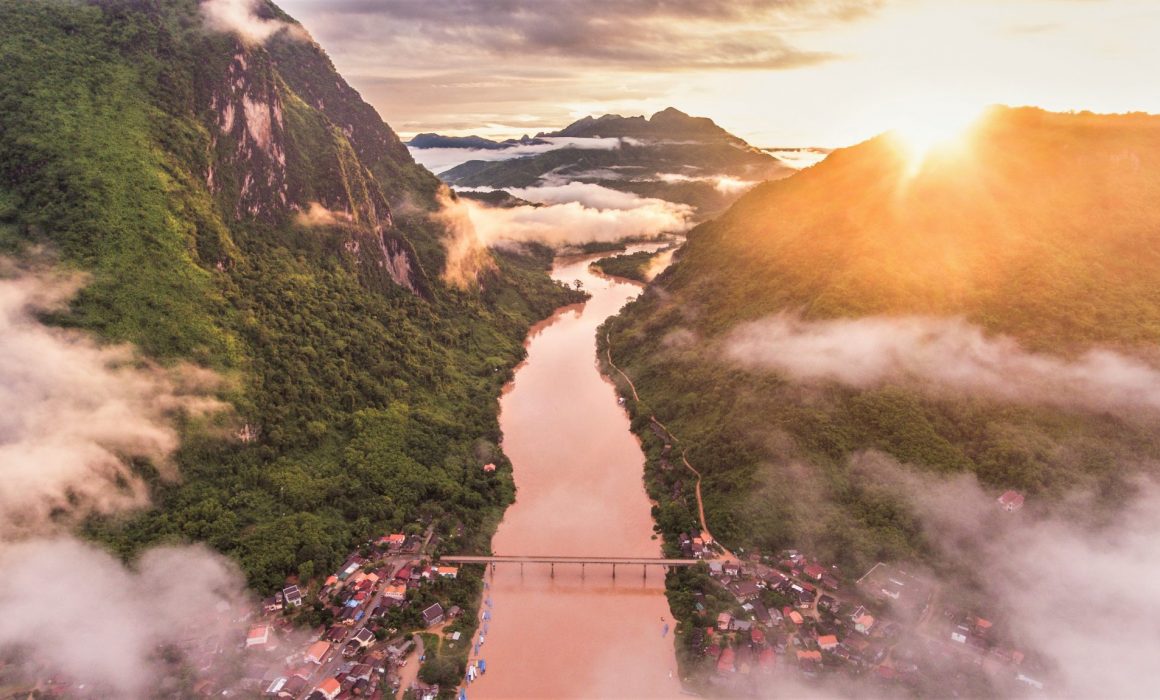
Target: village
column 766, row 618
column 363, row 633
column 385, row 612
column 392, row 609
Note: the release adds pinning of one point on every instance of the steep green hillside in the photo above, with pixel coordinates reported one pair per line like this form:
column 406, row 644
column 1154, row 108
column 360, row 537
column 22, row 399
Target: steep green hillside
column 239, row 206
column 1043, row 227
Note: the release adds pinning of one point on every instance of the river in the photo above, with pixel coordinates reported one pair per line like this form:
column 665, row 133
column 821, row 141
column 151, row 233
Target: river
column 579, row 474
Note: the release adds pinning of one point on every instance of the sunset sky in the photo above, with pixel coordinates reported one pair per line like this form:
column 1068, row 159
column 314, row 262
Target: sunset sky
column 776, row 72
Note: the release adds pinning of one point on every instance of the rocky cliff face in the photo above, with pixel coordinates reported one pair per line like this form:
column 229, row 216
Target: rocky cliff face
column 250, row 137
column 291, row 140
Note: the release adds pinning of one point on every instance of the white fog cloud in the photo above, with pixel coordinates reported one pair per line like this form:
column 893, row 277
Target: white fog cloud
column 1076, row 591
column 943, row 353
column 318, row 215
column 590, row 195
column 1086, row 599
column 79, row 611
column 725, row 184
column 575, row 222
column 799, row 158
column 570, row 214
column 439, row 160
column 467, row 254
column 71, row 412
column 240, row 17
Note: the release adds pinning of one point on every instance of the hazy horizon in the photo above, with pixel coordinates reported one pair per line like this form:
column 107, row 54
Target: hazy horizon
column 827, row 73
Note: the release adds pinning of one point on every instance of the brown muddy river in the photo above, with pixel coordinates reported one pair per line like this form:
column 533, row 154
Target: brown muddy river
column 579, row 474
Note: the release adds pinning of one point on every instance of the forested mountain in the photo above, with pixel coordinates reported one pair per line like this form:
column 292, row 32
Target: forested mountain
column 991, row 309
column 237, row 205
column 474, row 142
column 670, row 156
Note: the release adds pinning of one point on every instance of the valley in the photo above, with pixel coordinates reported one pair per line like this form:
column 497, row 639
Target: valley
column 548, row 388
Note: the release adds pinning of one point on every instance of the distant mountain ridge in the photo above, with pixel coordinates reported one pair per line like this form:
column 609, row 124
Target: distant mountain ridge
column 670, row 156
column 668, row 124
column 429, row 140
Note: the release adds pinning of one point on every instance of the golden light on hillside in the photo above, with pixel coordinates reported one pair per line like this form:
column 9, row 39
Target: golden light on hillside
column 940, row 128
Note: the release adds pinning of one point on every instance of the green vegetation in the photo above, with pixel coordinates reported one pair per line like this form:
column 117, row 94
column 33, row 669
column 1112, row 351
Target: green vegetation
column 632, row 266
column 374, row 406
column 1025, row 233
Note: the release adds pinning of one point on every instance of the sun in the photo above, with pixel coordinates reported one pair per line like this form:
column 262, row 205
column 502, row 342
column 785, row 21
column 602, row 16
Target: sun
column 934, row 128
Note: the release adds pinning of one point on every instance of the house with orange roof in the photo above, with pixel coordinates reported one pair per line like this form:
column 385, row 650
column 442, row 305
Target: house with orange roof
column 258, row 636
column 796, row 617
column 1011, row 501
column 317, row 652
column 393, row 541
column 445, row 571
column 828, row 642
column 330, row 688
column 809, row 663
column 864, row 623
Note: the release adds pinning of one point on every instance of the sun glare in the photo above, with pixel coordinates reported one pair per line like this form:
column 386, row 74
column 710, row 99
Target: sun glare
column 935, row 128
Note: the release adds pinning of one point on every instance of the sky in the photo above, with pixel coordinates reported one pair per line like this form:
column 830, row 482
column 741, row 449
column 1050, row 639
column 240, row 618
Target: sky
column 775, row 72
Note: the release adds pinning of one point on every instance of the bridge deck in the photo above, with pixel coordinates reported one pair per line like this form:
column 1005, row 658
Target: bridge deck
column 511, row 559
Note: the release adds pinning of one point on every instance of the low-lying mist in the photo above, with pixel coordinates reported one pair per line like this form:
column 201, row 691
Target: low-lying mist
column 439, row 160
column 72, row 412
column 569, row 214
column 943, row 354
column 74, row 609
column 1067, row 583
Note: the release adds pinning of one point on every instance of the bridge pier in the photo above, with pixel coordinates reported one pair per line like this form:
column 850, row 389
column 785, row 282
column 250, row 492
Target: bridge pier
column 553, row 569
column 644, row 572
column 614, row 571
column 581, row 570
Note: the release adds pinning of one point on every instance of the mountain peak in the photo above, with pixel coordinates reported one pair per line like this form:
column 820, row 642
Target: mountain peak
column 669, row 113
column 668, row 124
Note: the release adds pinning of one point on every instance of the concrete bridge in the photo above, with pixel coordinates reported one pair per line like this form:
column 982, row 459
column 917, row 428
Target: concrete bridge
column 643, row 562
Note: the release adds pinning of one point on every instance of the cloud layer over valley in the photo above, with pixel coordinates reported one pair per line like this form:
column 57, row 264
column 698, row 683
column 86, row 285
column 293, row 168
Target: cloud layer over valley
column 79, row 611
column 944, row 355
column 1068, row 584
column 566, row 214
column 439, row 160
column 72, row 412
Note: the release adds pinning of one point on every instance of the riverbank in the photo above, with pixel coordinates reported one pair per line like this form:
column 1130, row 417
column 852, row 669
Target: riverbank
column 678, row 517
column 578, row 470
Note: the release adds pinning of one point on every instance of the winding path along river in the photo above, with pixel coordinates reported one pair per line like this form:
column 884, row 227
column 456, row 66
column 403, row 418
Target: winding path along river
column 579, row 474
